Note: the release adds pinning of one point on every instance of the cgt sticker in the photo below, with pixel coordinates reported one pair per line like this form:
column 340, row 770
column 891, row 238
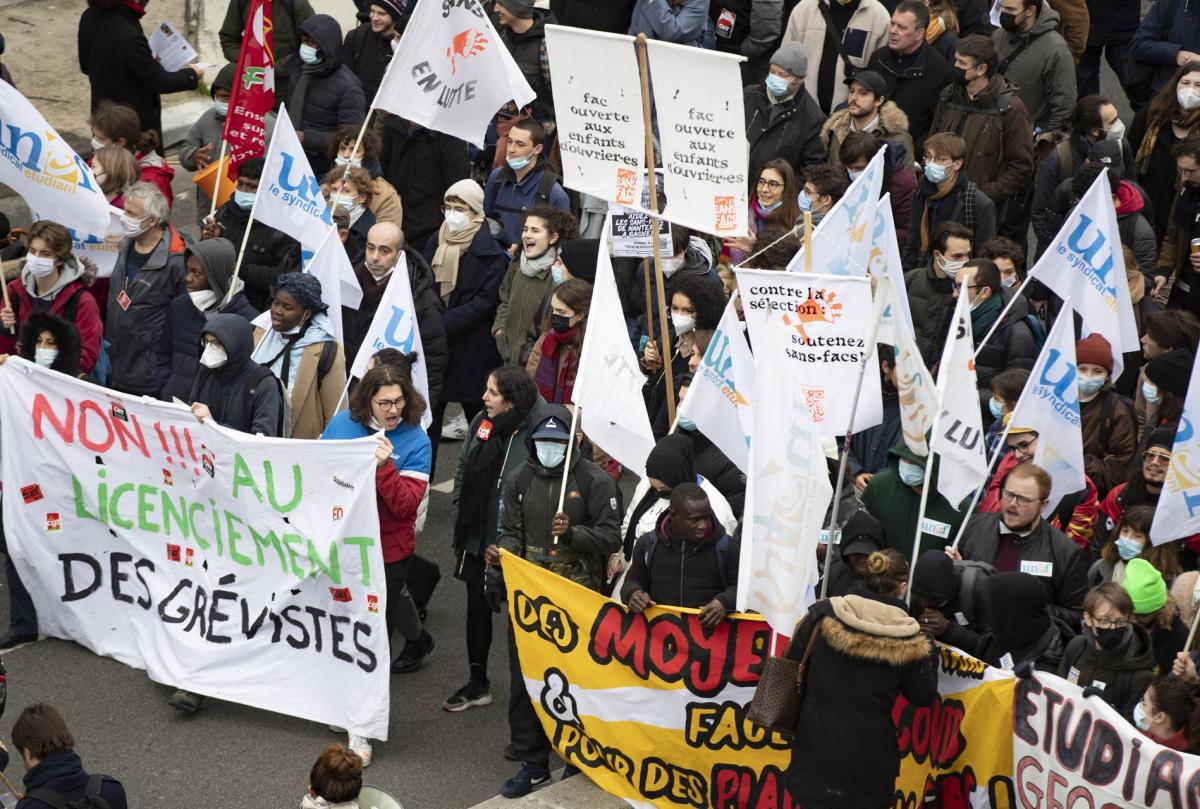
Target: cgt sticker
column 118, row 412
column 373, row 604
column 209, row 463
column 340, row 594
column 174, row 553
column 167, row 480
column 188, row 557
column 53, row 521
column 31, row 493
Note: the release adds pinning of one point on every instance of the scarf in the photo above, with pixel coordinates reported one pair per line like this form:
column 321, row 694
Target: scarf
column 482, row 473
column 449, row 253
column 985, row 314
column 309, row 802
column 555, row 379
column 762, row 214
column 1183, row 120
column 138, row 8
column 296, row 102
column 539, row 266
column 936, row 28
column 934, row 197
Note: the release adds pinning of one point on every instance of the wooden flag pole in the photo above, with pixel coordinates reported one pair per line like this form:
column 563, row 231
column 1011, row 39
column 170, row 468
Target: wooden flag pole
column 18, row 795
column 808, row 241
column 212, row 211
column 1192, row 633
column 664, row 350
column 562, row 490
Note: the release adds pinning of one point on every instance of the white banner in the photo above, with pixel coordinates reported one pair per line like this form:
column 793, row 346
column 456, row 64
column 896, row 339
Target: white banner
column 598, row 113
column 828, row 321
column 44, row 170
column 915, row 387
column 1050, row 405
column 1085, row 263
column 289, row 195
column 451, row 72
column 884, row 259
column 608, row 386
column 1178, row 511
column 842, row 243
column 244, row 568
column 102, row 248
column 722, row 389
column 395, row 326
column 702, row 132
column 1072, row 751
column 787, row 490
column 959, row 438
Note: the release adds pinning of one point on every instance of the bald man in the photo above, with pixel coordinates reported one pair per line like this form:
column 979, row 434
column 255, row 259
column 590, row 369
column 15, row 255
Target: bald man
column 380, row 261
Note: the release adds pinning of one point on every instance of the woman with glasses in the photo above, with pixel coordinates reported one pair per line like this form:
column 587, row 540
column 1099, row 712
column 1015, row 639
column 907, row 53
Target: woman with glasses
column 386, row 401
column 1145, row 483
column 774, row 204
column 1114, row 653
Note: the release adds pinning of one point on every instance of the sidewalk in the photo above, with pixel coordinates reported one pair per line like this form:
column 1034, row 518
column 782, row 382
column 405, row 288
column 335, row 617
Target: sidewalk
column 570, row 794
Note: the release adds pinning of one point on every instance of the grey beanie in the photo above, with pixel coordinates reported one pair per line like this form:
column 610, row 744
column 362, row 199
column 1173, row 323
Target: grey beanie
column 518, row 8
column 792, row 58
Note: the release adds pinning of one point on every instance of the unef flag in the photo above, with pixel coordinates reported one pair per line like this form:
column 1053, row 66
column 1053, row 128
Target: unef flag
column 289, row 196
column 1178, row 512
column 451, row 72
column 253, row 94
column 718, row 400
column 958, row 439
column 841, row 244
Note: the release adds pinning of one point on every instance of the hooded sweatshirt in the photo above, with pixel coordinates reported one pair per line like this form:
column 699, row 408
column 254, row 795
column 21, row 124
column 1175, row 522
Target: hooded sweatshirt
column 75, row 276
column 223, row 389
column 1043, row 71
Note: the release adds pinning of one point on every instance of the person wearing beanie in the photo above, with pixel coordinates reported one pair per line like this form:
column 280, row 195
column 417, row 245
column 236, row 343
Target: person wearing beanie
column 1162, row 332
column 948, row 598
column 781, row 119
column 1107, row 419
column 468, row 267
column 1114, row 652
column 1024, row 628
column 862, row 27
column 859, row 537
column 1154, row 609
column 1165, row 385
column 367, row 50
column 522, row 29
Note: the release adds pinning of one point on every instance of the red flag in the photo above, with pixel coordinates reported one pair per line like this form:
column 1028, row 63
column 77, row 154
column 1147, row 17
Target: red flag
column 253, row 89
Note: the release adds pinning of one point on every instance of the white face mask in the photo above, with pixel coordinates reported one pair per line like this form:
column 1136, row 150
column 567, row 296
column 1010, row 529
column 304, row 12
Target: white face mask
column 1188, row 97
column 204, row 299
column 672, row 265
column 682, row 323
column 213, row 356
column 457, row 220
column 1116, row 131
column 97, row 145
column 951, row 268
column 347, row 161
column 45, row 357
column 39, row 266
column 132, row 226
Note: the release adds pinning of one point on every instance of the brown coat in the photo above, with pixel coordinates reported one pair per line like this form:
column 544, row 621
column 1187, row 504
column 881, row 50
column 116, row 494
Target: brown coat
column 1075, row 24
column 385, row 203
column 892, row 127
column 999, row 159
column 1107, row 462
column 313, row 407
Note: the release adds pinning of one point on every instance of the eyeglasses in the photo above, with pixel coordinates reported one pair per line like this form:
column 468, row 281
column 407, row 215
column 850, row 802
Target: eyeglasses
column 1023, row 447
column 1161, row 457
column 389, row 404
column 774, row 185
column 1019, row 499
column 459, row 208
column 1102, row 623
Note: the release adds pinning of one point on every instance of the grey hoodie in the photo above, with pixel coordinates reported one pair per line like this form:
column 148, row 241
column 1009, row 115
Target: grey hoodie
column 1043, row 71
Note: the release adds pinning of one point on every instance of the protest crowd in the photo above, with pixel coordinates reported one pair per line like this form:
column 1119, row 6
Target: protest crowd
column 990, row 148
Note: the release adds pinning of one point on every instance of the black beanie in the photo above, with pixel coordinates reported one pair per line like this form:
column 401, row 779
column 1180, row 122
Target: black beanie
column 580, row 257
column 1018, row 608
column 934, row 576
column 1161, row 437
column 862, row 533
column 1171, row 371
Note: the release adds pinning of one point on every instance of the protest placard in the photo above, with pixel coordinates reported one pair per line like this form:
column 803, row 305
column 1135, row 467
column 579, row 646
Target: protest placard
column 631, row 229
column 238, row 567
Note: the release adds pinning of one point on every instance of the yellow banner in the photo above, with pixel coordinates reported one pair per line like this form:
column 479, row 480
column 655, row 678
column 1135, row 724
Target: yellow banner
column 653, row 706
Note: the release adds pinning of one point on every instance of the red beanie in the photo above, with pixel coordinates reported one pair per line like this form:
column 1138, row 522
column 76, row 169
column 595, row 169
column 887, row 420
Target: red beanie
column 1095, row 350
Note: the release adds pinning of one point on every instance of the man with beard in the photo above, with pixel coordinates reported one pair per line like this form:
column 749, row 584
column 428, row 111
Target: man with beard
column 1017, row 539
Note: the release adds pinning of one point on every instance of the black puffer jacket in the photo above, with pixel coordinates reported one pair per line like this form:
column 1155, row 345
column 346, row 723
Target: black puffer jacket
column 335, row 94
column 224, row 389
column 421, row 164
column 66, row 337
column 789, row 129
column 931, row 301
column 683, row 573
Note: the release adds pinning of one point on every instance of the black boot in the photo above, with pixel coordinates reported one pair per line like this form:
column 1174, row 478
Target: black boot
column 414, row 652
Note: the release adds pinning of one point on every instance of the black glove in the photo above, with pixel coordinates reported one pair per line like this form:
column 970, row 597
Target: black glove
column 493, row 588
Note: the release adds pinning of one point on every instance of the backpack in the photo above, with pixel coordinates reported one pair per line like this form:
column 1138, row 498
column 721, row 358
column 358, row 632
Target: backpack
column 971, row 575
column 1003, row 105
column 70, row 310
column 91, row 796
column 722, row 548
column 262, row 373
column 542, row 197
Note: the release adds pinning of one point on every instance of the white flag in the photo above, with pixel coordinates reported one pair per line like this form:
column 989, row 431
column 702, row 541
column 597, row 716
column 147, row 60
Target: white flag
column 598, row 113
column 451, row 72
column 326, row 267
column 395, row 326
column 718, row 400
column 289, row 195
column 100, row 248
column 1085, row 263
column 1178, row 512
column 608, row 386
column 884, row 258
column 54, row 181
column 701, row 125
column 1049, row 405
column 787, row 493
column 841, row 244
column 914, row 384
column 959, row 437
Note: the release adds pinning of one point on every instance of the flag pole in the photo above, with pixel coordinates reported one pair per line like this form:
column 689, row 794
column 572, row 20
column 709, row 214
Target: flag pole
column 962, row 527
column 664, row 351
column 808, row 241
column 1003, row 312
column 647, row 268
column 1192, row 632
column 212, row 211
column 937, row 419
column 562, row 490
column 237, row 267
column 877, row 315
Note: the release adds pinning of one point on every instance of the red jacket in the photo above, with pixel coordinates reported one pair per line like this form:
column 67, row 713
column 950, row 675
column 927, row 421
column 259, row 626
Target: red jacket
column 399, row 497
column 87, row 317
column 1113, row 508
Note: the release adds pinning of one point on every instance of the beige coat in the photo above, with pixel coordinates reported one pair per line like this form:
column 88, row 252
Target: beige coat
column 313, row 407
column 807, row 26
column 385, row 203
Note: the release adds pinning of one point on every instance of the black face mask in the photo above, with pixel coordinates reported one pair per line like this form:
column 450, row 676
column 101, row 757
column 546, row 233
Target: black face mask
column 1110, row 639
column 1009, row 22
column 958, row 75
column 560, row 323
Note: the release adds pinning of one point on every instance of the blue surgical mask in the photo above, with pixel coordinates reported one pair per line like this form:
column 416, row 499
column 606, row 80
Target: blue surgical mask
column 910, row 473
column 1008, row 281
column 1128, row 548
column 1139, row 717
column 1091, row 384
column 935, row 172
column 686, row 424
column 995, row 407
column 243, row 199
column 556, row 274
column 517, row 163
column 1150, row 393
column 777, row 86
column 854, row 175
column 309, row 55
column 45, row 357
column 221, row 108
column 804, row 201
column 771, row 207
column 550, row 453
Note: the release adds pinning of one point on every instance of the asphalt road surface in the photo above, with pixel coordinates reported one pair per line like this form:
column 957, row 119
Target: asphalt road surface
column 234, row 756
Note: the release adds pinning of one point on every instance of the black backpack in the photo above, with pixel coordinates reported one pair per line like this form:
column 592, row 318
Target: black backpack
column 91, row 796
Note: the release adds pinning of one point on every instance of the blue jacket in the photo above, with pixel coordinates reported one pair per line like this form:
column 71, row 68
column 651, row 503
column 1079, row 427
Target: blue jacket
column 507, row 200
column 1168, row 27
column 688, row 24
column 63, row 773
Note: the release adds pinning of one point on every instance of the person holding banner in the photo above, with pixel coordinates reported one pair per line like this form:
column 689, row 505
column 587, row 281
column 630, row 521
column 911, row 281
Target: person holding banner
column 300, row 349
column 774, row 203
column 387, row 405
column 230, row 389
column 322, row 93
column 867, row 652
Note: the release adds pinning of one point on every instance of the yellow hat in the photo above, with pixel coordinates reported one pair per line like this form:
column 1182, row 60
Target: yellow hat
column 1016, row 430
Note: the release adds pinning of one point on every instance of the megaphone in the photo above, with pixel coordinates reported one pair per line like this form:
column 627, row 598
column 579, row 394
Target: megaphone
column 375, row 798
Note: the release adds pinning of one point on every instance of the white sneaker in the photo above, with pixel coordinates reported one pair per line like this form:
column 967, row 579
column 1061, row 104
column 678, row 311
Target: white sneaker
column 455, row 429
column 362, row 746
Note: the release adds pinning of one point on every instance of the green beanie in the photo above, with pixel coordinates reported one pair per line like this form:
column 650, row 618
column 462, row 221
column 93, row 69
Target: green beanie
column 1145, row 586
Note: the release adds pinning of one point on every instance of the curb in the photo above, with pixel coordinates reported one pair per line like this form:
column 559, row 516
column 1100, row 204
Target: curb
column 178, row 119
column 570, row 794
